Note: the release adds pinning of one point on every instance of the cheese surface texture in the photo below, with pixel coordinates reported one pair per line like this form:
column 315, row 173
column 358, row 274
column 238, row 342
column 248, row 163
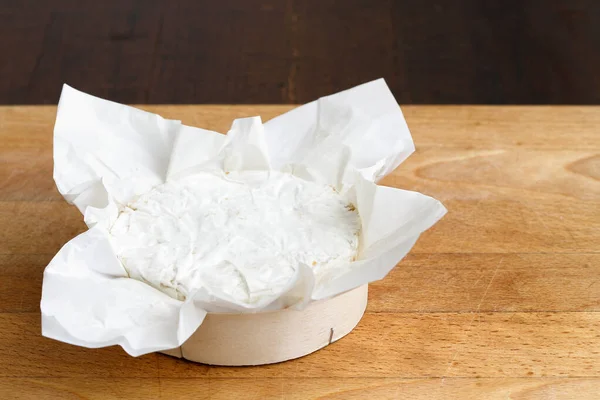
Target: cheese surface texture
column 242, row 234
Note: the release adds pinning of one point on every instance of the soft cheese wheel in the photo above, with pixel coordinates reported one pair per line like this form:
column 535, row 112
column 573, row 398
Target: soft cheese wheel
column 241, row 233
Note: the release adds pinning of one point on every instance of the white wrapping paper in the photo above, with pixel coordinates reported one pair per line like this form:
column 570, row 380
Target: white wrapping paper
column 106, row 154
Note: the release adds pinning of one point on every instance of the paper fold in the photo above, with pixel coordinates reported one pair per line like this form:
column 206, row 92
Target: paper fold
column 107, row 154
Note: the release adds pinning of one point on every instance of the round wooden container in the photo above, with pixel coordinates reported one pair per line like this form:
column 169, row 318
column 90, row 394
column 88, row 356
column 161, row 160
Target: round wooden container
column 274, row 336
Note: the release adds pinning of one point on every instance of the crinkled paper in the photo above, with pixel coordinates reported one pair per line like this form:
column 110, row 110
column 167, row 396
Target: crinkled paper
column 106, row 154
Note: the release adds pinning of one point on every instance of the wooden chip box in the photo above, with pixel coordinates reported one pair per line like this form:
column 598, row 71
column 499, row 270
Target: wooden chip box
column 274, row 336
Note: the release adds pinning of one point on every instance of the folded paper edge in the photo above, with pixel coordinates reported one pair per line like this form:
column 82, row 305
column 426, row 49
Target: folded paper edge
column 189, row 315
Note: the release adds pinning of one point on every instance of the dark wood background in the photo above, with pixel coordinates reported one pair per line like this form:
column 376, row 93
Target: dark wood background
column 277, row 51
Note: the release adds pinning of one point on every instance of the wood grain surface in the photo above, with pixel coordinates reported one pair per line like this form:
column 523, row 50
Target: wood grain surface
column 294, row 51
column 501, row 299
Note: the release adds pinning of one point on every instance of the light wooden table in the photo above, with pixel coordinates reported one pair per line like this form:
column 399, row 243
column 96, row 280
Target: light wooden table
column 500, row 299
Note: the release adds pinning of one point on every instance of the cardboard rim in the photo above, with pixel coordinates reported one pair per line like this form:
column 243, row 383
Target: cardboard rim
column 274, row 336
